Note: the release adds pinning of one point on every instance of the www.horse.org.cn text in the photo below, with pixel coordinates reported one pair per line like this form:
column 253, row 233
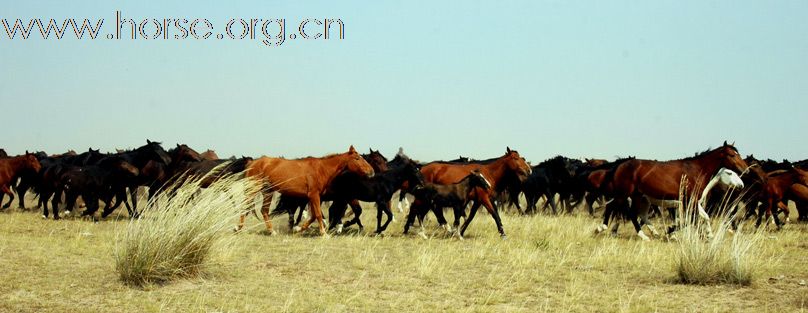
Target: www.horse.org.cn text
column 270, row 31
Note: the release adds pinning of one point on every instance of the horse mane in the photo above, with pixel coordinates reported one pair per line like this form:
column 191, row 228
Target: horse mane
column 322, row 157
column 778, row 173
column 705, row 152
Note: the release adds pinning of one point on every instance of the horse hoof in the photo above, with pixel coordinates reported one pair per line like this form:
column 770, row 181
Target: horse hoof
column 503, row 237
column 67, row 212
column 643, row 236
column 380, row 235
column 423, row 235
column 44, row 217
column 339, row 228
column 297, row 229
column 460, row 237
column 601, row 228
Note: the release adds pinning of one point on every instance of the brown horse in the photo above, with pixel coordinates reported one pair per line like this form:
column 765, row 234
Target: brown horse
column 11, row 167
column 496, row 170
column 799, row 194
column 661, row 181
column 778, row 187
column 209, row 155
column 307, row 177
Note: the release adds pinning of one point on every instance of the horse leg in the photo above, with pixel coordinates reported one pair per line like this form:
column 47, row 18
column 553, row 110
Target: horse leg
column 492, row 209
column 314, row 204
column 553, row 205
column 474, row 208
column 589, row 200
column 643, row 208
column 133, row 194
column 357, row 210
column 440, row 217
column 633, row 214
column 22, row 189
column 384, row 206
column 607, row 215
column 783, row 206
column 266, row 203
column 402, row 198
column 414, row 208
column 10, row 198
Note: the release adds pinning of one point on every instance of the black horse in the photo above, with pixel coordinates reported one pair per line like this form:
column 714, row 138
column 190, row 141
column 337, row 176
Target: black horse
column 291, row 205
column 349, row 189
column 140, row 158
column 551, row 177
column 47, row 183
column 102, row 181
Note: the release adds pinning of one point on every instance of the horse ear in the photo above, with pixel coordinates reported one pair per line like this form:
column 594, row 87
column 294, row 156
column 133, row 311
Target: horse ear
column 508, row 149
column 725, row 143
column 371, row 150
column 351, row 149
column 148, row 141
column 732, row 144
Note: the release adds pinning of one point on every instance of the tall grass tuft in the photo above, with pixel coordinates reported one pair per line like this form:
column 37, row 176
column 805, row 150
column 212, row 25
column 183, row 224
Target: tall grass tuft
column 183, row 234
column 726, row 257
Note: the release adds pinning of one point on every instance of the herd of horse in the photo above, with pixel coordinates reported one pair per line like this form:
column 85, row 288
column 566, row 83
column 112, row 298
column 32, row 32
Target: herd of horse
column 629, row 188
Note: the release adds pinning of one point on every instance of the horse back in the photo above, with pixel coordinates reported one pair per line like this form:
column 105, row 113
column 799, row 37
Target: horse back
column 445, row 173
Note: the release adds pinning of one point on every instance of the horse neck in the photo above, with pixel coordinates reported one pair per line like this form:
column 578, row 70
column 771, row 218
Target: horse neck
column 701, row 168
column 494, row 172
column 330, row 167
column 17, row 164
column 393, row 176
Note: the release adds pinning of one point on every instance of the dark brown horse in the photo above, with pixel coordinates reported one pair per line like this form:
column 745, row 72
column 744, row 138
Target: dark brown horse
column 661, row 181
column 778, row 187
column 307, row 177
column 10, row 169
column 496, row 170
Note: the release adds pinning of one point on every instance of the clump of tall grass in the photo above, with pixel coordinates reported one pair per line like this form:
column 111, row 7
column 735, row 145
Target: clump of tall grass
column 726, row 256
column 183, row 234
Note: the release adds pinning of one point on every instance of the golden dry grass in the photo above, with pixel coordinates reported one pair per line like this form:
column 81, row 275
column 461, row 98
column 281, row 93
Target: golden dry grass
column 548, row 264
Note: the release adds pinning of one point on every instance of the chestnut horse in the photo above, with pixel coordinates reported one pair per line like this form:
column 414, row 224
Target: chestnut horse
column 496, row 170
column 662, row 180
column 307, row 177
column 799, row 194
column 11, row 167
column 209, row 155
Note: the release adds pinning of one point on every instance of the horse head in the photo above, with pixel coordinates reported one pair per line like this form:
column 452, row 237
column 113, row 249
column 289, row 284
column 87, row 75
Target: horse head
column 517, row 164
column 155, row 152
column 730, row 158
column 32, row 162
column 184, row 153
column 356, row 164
column 729, row 178
column 376, row 160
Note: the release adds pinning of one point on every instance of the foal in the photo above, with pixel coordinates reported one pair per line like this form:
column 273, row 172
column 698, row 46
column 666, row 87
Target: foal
column 349, row 189
column 434, row 197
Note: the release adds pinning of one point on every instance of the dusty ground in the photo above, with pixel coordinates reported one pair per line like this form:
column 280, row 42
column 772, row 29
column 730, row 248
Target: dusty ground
column 548, row 264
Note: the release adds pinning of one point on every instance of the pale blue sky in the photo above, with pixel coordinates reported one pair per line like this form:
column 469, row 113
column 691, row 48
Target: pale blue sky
column 655, row 79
